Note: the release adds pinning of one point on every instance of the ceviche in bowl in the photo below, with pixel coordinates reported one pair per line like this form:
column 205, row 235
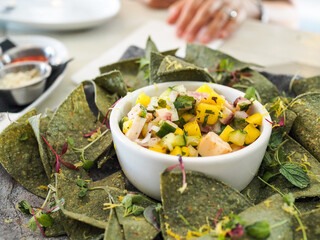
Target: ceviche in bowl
column 214, row 128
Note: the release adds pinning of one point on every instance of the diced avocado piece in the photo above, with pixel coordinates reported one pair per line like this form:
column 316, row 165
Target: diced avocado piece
column 165, row 128
column 179, row 88
column 172, row 140
column 193, row 140
column 124, row 119
column 166, row 93
column 237, row 137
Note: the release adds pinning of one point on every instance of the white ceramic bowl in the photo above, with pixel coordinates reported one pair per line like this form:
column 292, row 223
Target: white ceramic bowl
column 143, row 166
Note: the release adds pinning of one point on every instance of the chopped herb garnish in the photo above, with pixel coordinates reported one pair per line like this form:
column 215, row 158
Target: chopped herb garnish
column 143, row 113
column 184, row 102
column 209, row 111
column 205, row 120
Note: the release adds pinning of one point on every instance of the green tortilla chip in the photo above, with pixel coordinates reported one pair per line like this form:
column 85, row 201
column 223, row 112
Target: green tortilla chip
column 39, row 125
column 112, row 82
column 87, row 208
column 155, row 62
column 312, row 222
column 113, row 229
column 57, row 227
column 103, row 99
column 306, row 85
column 306, row 127
column 266, row 89
column 73, row 119
column 174, row 69
column 19, row 155
column 134, row 227
column 129, row 69
column 271, row 211
column 202, row 199
column 205, row 57
column 81, row 231
column 150, row 47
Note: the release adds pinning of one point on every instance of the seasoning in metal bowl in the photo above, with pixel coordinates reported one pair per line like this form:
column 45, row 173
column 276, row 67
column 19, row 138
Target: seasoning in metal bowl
column 19, row 79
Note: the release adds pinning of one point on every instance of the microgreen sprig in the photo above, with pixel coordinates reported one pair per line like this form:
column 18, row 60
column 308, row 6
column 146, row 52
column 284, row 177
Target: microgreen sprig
column 87, row 164
column 181, row 165
column 58, row 157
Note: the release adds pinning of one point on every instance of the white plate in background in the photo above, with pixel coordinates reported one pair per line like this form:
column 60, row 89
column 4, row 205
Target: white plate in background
column 61, row 56
column 58, row 14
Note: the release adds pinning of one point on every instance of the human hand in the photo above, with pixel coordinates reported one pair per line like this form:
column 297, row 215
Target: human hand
column 206, row 19
column 158, row 3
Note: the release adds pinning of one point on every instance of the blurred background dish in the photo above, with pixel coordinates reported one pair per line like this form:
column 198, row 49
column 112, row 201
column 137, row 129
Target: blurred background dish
column 58, row 14
column 29, row 53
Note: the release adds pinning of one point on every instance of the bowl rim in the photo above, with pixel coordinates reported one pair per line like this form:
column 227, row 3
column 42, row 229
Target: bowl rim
column 258, row 143
column 43, row 77
column 17, row 49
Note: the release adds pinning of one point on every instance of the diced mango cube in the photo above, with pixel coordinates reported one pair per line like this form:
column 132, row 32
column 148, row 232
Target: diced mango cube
column 185, row 152
column 205, row 88
column 214, row 97
column 225, row 133
column 158, row 148
column 255, row 119
column 179, row 131
column 176, row 151
column 192, row 129
column 143, row 99
column 127, row 126
column 252, row 133
column 187, row 116
column 207, row 112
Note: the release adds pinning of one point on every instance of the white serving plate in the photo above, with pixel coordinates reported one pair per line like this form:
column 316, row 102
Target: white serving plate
column 59, row 14
column 61, row 56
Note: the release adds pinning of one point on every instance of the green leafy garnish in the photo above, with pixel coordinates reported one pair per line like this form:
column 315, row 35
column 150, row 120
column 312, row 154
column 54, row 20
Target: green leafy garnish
column 24, row 207
column 184, row 102
column 83, row 187
column 259, row 230
column 143, row 113
column 250, row 93
column 295, row 175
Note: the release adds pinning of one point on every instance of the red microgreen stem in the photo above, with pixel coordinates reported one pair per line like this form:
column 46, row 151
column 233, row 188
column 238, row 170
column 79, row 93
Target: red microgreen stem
column 105, row 120
column 58, row 159
column 272, row 123
column 41, row 230
column 169, row 169
column 281, row 122
column 217, row 216
column 184, row 182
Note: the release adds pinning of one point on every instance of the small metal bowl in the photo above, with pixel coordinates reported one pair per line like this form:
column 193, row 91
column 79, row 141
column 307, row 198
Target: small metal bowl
column 23, row 95
column 28, row 51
